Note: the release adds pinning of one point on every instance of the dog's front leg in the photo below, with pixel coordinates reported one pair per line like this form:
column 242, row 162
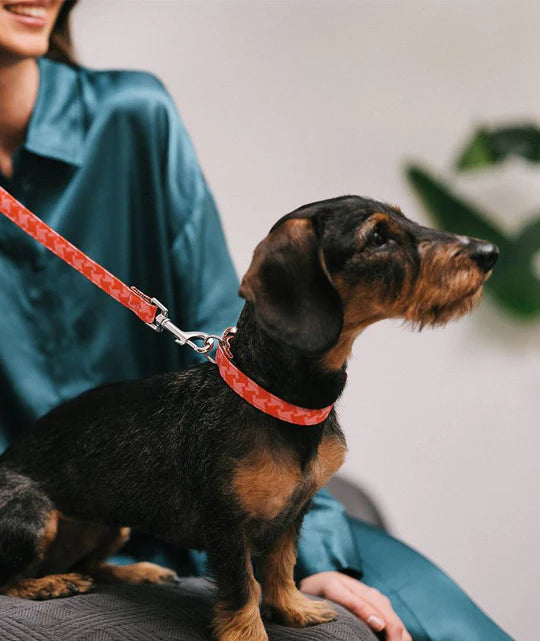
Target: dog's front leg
column 237, row 611
column 282, row 601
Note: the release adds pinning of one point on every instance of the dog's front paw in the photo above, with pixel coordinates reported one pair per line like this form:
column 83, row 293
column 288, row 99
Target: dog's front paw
column 243, row 625
column 145, row 572
column 134, row 573
column 300, row 612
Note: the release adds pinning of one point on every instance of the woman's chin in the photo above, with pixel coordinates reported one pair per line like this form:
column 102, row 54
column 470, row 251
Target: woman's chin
column 22, row 47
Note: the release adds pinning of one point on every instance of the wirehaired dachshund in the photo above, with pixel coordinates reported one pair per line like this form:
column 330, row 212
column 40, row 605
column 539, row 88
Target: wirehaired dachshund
column 182, row 457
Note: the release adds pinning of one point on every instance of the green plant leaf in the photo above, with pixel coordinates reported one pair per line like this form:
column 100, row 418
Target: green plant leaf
column 519, row 281
column 450, row 212
column 513, row 282
column 490, row 146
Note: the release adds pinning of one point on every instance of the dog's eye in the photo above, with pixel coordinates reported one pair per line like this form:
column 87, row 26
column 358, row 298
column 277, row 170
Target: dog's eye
column 377, row 239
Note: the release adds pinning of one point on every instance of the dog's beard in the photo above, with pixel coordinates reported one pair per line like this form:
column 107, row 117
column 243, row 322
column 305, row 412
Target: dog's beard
column 439, row 315
column 447, row 301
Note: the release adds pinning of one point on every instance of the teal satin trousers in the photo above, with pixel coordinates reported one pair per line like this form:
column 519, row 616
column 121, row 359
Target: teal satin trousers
column 430, row 604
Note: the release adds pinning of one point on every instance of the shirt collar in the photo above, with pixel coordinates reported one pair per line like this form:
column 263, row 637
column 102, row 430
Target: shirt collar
column 56, row 128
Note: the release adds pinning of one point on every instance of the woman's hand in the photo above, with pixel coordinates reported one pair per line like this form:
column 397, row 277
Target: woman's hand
column 366, row 603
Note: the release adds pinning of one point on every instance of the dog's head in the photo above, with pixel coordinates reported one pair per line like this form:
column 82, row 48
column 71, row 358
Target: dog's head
column 329, row 269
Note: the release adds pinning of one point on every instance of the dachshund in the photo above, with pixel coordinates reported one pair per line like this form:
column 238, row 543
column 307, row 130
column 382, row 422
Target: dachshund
column 182, row 457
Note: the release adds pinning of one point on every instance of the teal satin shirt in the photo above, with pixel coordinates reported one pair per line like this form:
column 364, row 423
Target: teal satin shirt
column 108, row 163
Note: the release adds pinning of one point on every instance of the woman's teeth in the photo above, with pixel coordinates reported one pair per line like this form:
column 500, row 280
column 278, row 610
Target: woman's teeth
column 30, row 11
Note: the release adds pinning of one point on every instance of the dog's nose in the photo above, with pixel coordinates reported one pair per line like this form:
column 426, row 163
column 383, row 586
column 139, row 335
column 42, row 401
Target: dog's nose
column 484, row 254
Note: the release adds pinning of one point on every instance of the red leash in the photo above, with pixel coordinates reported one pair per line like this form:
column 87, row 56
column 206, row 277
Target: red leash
column 148, row 309
column 35, row 227
column 154, row 314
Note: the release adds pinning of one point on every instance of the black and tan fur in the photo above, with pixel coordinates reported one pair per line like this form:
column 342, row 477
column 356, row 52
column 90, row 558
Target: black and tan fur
column 180, row 456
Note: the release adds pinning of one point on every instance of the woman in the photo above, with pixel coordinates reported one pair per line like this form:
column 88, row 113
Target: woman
column 104, row 159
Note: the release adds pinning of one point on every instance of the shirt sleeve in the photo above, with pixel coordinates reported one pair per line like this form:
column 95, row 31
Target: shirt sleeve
column 206, row 282
column 326, row 541
column 202, row 263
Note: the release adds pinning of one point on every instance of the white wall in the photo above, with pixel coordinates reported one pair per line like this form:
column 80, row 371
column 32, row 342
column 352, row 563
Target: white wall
column 291, row 101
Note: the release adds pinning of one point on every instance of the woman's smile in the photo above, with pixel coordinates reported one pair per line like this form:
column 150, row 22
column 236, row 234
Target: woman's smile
column 32, row 14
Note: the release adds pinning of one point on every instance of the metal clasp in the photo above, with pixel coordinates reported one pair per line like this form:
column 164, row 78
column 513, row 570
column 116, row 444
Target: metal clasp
column 225, row 341
column 162, row 321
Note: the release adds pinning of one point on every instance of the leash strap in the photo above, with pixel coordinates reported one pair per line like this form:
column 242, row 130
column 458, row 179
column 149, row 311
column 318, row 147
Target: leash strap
column 134, row 300
column 263, row 400
column 149, row 310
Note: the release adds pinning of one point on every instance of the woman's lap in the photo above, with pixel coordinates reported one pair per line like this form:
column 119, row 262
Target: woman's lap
column 430, row 604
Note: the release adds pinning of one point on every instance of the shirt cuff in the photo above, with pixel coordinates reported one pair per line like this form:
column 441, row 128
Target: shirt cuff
column 326, row 542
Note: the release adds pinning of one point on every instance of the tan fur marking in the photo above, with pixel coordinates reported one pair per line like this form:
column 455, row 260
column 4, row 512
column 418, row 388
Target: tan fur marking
column 50, row 587
column 81, row 545
column 109, row 545
column 449, row 285
column 244, row 624
column 50, row 530
column 336, row 357
column 361, row 307
column 265, row 481
column 134, row 573
column 330, row 457
column 281, row 598
column 296, row 228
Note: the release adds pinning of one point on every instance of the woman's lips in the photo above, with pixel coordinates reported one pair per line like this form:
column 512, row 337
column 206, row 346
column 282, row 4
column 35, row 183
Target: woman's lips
column 33, row 15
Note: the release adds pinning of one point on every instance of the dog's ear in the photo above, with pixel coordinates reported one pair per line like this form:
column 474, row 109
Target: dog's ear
column 294, row 298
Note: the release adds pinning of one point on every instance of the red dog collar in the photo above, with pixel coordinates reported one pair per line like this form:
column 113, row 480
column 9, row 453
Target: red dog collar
column 263, row 400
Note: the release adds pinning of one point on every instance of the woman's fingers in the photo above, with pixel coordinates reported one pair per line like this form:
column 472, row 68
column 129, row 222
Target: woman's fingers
column 366, row 603
column 363, row 609
column 394, row 628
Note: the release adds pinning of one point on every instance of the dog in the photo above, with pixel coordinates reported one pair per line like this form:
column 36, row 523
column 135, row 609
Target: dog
column 182, row 457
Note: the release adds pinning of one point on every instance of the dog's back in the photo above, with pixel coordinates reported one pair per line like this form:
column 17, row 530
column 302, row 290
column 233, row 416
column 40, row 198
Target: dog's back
column 122, row 452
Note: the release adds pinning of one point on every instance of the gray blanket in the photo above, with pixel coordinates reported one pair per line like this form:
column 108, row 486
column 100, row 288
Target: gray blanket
column 144, row 613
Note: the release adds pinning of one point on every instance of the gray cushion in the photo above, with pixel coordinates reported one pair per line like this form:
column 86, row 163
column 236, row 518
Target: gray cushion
column 144, row 613
column 357, row 501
